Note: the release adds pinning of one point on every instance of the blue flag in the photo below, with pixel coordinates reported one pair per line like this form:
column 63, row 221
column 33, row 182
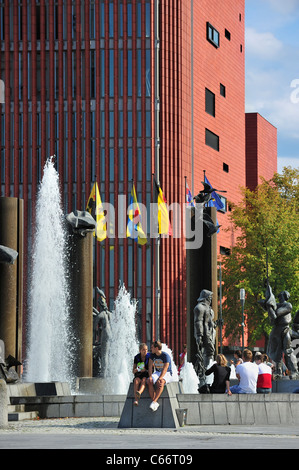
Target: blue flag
column 215, row 199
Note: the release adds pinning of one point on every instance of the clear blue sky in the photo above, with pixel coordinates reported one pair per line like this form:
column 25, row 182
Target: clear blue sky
column 272, row 70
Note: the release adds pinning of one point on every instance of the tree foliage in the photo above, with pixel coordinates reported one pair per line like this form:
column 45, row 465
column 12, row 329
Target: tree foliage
column 267, row 247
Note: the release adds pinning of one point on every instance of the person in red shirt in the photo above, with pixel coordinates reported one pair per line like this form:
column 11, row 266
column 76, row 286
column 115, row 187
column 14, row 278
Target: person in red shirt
column 264, row 380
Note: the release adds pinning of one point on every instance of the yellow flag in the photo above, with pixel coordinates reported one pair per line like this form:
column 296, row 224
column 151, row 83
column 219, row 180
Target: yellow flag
column 163, row 217
column 95, row 208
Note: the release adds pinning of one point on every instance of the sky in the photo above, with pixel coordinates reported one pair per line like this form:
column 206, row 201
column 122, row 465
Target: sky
column 272, row 71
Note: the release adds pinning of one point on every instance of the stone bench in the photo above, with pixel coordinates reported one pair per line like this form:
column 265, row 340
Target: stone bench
column 242, row 409
column 80, row 406
column 34, row 389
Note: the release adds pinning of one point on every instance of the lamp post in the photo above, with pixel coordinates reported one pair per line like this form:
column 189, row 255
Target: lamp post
column 242, row 299
column 220, row 320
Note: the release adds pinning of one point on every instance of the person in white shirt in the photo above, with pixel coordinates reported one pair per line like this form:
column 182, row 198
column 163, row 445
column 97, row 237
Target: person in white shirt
column 247, row 373
column 264, row 381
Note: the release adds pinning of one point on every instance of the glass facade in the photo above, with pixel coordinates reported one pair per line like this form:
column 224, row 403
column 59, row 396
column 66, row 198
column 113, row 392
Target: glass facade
column 78, row 78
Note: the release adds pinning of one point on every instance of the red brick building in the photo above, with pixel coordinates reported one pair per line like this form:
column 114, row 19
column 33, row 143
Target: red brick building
column 261, row 149
column 122, row 90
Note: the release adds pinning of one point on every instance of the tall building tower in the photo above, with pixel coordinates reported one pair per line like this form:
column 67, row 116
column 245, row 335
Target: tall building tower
column 125, row 91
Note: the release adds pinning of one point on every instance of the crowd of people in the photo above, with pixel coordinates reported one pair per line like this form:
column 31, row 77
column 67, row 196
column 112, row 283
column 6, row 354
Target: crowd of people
column 154, row 369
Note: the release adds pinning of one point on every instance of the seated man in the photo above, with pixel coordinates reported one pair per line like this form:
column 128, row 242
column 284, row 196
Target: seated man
column 162, row 375
column 247, row 373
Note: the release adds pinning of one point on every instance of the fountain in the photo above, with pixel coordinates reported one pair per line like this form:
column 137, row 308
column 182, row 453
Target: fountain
column 123, row 344
column 50, row 338
column 189, row 378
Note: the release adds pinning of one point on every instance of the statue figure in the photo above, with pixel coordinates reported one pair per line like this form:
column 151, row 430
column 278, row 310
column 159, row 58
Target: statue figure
column 7, row 255
column 6, row 372
column 280, row 336
column 203, row 197
column 295, row 327
column 81, row 222
column 205, row 333
column 102, row 329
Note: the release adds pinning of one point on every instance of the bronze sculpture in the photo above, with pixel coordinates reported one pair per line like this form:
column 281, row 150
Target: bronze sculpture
column 102, row 335
column 205, row 334
column 204, row 197
column 280, row 337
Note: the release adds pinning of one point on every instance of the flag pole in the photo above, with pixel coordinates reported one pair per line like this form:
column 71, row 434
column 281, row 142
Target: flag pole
column 157, row 163
column 133, row 252
column 95, row 255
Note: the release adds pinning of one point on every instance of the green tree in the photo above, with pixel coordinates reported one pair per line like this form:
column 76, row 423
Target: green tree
column 267, row 248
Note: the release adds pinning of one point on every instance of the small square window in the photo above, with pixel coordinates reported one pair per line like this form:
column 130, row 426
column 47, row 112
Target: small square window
column 222, row 90
column 224, row 251
column 225, row 167
column 213, row 35
column 212, row 140
column 224, row 203
column 210, row 103
column 227, row 34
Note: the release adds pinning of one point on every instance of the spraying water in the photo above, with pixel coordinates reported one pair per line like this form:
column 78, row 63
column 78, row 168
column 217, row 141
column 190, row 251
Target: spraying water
column 123, row 345
column 189, row 378
column 175, row 375
column 48, row 357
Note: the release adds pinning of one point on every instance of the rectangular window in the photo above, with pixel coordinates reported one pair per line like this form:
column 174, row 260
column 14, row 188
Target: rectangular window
column 224, row 251
column 139, row 124
column 120, row 74
column 224, row 203
column 222, row 90
column 120, row 20
column 213, row 35
column 120, row 164
column 148, row 72
column 111, row 72
column 111, row 165
column 130, row 84
column 130, row 124
column 129, row 17
column 111, row 124
column 227, row 34
column 210, row 102
column 139, row 22
column 102, row 21
column 212, row 140
column 130, row 163
column 147, row 20
column 111, row 25
column 139, row 66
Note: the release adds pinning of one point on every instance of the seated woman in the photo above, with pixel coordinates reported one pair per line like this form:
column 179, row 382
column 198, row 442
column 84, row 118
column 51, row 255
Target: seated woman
column 221, row 375
column 140, row 371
